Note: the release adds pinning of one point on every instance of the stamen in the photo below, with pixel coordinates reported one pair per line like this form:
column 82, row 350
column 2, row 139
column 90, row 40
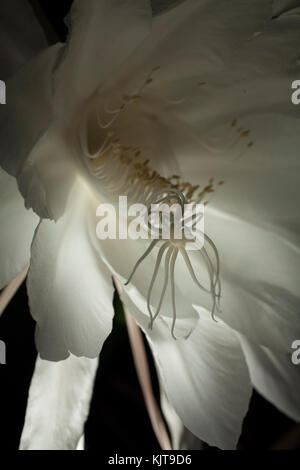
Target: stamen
column 165, row 285
column 210, row 269
column 147, row 252
column 157, row 265
column 191, row 271
column 214, row 248
column 172, row 276
column 167, row 190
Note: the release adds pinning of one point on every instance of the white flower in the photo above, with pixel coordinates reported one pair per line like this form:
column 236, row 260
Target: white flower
column 202, row 92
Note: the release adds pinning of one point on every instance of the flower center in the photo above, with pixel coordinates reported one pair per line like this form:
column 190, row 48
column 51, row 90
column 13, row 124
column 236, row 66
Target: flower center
column 121, row 170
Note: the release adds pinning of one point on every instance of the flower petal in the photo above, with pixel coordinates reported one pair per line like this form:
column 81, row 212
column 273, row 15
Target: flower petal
column 21, row 40
column 70, row 289
column 241, row 71
column 259, row 272
column 28, row 110
column 274, row 376
column 103, row 34
column 205, row 377
column 246, row 128
column 196, row 38
column 58, row 404
column 182, row 438
column 37, row 154
column 49, row 173
column 17, row 229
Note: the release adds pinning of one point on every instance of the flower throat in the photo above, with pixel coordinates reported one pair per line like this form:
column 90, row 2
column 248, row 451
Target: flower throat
column 121, row 170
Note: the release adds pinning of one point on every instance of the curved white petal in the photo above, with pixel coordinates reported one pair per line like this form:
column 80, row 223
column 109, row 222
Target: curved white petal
column 275, row 376
column 255, row 79
column 17, row 229
column 260, row 182
column 259, row 273
column 189, row 43
column 48, row 174
column 103, row 35
column 195, row 37
column 249, row 103
column 205, row 377
column 70, row 289
column 248, row 73
column 58, row 404
column 36, row 152
column 182, row 438
column 250, row 83
column 20, row 40
column 28, row 111
column 174, row 423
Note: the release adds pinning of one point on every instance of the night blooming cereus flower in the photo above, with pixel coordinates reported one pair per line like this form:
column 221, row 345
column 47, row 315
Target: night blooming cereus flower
column 190, row 106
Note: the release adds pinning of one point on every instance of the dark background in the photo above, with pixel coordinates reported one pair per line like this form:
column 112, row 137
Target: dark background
column 118, row 419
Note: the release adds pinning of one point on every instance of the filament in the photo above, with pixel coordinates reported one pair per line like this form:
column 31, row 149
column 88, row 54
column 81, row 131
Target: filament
column 157, row 265
column 139, row 261
column 172, row 277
